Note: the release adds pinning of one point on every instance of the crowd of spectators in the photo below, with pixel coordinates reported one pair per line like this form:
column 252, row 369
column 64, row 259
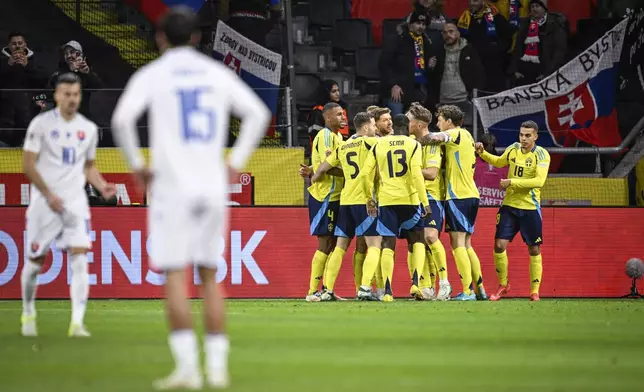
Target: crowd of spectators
column 26, row 86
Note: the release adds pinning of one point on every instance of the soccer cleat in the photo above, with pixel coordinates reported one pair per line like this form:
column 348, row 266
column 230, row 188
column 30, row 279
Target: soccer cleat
column 535, row 297
column 465, row 297
column 178, row 380
column 28, row 325
column 315, row 297
column 387, row 298
column 366, row 295
column 415, row 292
column 328, row 296
column 429, row 293
column 218, row 379
column 444, row 292
column 78, row 331
column 481, row 295
column 500, row 292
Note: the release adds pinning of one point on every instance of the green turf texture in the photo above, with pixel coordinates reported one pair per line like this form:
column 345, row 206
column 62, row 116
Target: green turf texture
column 511, row 345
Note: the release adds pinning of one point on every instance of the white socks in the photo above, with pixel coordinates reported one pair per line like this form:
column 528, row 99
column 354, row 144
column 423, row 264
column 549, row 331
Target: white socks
column 79, row 289
column 28, row 279
column 183, row 344
column 217, row 347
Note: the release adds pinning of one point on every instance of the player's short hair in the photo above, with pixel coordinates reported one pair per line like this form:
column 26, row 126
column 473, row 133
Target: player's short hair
column 420, row 113
column 401, row 125
column 531, row 125
column 361, row 119
column 67, row 78
column 330, row 106
column 372, row 108
column 178, row 25
column 377, row 113
column 451, row 112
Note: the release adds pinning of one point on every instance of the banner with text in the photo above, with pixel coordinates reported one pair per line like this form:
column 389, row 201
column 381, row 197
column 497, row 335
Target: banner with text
column 577, row 102
column 268, row 255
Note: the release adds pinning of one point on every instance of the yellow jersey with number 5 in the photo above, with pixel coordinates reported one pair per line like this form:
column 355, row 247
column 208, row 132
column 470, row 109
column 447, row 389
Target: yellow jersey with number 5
column 460, row 160
column 324, row 145
column 399, row 162
column 350, row 156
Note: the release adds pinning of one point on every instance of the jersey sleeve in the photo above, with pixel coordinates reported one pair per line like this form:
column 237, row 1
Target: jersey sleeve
column 543, row 164
column 93, row 144
column 418, row 180
column 334, row 158
column 366, row 172
column 35, row 134
column 497, row 161
column 433, row 156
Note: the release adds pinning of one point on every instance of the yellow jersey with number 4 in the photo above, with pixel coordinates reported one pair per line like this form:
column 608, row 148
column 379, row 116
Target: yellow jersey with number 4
column 324, row 145
column 350, row 156
column 399, row 162
column 527, row 173
column 460, row 160
column 433, row 158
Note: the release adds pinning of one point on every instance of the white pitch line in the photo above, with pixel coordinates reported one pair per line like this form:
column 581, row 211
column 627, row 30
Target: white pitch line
column 90, row 310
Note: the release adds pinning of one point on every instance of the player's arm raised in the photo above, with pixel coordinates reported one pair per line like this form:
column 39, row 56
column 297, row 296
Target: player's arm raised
column 416, row 165
column 543, row 164
column 33, row 143
column 494, row 160
column 93, row 175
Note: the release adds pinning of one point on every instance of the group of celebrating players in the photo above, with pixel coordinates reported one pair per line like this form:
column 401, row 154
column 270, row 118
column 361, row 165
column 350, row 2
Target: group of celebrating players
column 396, row 179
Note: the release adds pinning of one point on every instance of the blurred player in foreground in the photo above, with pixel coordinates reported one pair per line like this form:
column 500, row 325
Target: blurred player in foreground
column 521, row 208
column 399, row 163
column 436, row 260
column 324, row 194
column 190, row 98
column 353, row 219
column 59, row 159
column 462, row 198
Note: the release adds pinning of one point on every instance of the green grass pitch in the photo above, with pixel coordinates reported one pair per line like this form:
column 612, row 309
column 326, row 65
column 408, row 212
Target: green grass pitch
column 511, row 345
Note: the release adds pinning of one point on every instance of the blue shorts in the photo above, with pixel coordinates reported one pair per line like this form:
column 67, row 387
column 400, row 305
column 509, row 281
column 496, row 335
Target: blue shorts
column 460, row 215
column 354, row 221
column 510, row 220
column 392, row 220
column 323, row 216
column 435, row 220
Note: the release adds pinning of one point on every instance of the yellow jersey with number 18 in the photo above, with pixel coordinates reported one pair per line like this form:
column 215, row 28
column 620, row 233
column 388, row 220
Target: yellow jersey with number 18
column 350, row 156
column 460, row 160
column 324, row 145
column 399, row 161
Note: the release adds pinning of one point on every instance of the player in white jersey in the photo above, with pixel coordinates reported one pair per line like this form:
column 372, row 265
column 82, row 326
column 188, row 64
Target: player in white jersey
column 189, row 98
column 59, row 159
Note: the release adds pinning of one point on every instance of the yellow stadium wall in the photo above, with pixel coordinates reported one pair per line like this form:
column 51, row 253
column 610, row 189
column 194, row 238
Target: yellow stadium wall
column 639, row 182
column 275, row 171
column 585, row 191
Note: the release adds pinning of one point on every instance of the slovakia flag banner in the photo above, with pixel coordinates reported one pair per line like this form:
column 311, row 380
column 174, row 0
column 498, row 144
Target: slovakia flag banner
column 577, row 102
column 259, row 67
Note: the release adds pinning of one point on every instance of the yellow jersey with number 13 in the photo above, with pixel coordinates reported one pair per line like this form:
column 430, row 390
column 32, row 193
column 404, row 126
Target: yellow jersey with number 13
column 399, row 161
column 350, row 156
column 324, row 145
column 460, row 160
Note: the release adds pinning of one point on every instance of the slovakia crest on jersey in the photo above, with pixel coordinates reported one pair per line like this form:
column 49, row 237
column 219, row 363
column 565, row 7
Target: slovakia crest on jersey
column 81, row 135
column 55, row 134
column 576, row 110
column 233, row 62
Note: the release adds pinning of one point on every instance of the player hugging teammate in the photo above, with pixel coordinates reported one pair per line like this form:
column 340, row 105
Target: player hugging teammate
column 412, row 180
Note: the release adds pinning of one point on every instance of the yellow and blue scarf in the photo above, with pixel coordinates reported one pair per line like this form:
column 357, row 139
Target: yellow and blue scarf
column 488, row 12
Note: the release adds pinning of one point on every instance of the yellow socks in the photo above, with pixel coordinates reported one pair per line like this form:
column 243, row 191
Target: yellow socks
column 501, row 265
column 387, row 265
column 380, row 281
column 317, row 271
column 431, row 265
column 536, row 270
column 358, row 262
column 477, row 276
column 333, row 265
column 464, row 268
column 425, row 278
column 417, row 262
column 370, row 265
column 410, row 265
column 440, row 259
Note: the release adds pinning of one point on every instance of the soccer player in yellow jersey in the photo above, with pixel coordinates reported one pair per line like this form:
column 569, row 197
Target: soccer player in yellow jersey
column 353, row 219
column 324, row 195
column 399, row 163
column 436, row 260
column 521, row 208
column 462, row 198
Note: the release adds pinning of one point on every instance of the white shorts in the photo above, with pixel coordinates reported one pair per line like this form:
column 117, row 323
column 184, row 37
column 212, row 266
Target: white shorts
column 70, row 229
column 188, row 231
